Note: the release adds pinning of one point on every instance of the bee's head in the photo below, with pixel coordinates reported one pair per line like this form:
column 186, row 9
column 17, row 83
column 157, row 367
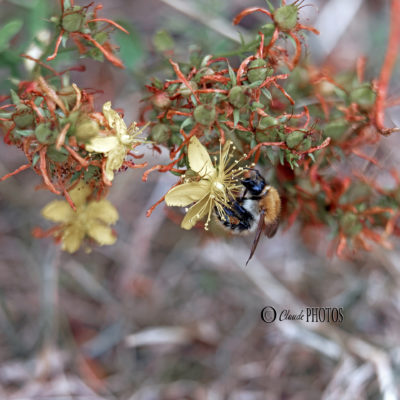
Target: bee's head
column 254, row 182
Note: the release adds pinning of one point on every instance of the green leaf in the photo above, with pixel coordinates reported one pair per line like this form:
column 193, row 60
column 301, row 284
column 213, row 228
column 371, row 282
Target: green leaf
column 266, row 93
column 232, row 75
column 131, row 49
column 14, row 97
column 8, row 31
column 186, row 123
column 24, row 132
column 236, row 116
column 163, row 41
column 35, row 159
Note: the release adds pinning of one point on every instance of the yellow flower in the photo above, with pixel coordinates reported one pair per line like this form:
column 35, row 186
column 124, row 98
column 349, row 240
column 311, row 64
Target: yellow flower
column 90, row 219
column 116, row 146
column 215, row 188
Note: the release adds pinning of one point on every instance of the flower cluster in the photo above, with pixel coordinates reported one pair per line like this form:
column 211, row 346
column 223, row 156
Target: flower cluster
column 68, row 144
column 260, row 107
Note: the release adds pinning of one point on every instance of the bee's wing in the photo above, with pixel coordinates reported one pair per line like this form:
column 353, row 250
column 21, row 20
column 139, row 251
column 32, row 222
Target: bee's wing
column 270, row 229
column 260, row 228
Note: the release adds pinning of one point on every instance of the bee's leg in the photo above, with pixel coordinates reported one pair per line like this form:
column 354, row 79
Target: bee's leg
column 243, row 196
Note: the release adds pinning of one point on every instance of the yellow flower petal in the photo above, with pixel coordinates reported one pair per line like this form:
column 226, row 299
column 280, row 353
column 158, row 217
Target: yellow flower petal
column 58, row 211
column 72, row 238
column 195, row 213
column 115, row 160
column 80, row 193
column 102, row 210
column 114, row 119
column 101, row 233
column 199, row 159
column 187, row 193
column 103, row 144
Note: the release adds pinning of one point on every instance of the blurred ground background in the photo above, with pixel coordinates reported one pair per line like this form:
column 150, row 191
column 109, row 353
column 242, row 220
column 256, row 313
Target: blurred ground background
column 170, row 314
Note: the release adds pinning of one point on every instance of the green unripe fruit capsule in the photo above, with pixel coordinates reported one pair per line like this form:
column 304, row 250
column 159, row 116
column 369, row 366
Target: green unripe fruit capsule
column 364, row 96
column 23, row 116
column 45, row 134
column 267, row 122
column 336, row 129
column 258, row 70
column 350, row 224
column 294, row 139
column 204, row 114
column 286, row 17
column 86, row 129
column 57, row 155
column 237, row 97
column 160, row 133
column 72, row 20
column 305, row 144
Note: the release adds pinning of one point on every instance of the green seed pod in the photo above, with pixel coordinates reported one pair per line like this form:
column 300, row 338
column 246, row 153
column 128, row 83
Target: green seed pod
column 286, row 17
column 45, row 134
column 270, row 136
column 237, row 97
column 204, row 114
column 160, row 133
column 185, row 91
column 350, row 224
column 68, row 96
column 23, row 116
column 86, row 129
column 258, row 70
column 336, row 129
column 72, row 20
column 294, row 139
column 305, row 144
column 267, row 122
column 364, row 96
column 57, row 155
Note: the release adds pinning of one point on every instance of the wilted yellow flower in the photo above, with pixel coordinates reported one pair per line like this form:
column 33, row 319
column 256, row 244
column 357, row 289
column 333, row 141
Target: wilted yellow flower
column 215, row 188
column 90, row 219
column 116, row 146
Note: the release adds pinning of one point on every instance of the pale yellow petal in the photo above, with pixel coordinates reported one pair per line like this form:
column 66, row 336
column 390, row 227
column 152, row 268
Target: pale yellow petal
column 101, row 233
column 115, row 160
column 72, row 238
column 199, row 159
column 195, row 213
column 80, row 193
column 114, row 119
column 187, row 193
column 102, row 144
column 102, row 210
column 58, row 211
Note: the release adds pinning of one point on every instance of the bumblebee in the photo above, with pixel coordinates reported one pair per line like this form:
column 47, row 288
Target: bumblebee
column 257, row 209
